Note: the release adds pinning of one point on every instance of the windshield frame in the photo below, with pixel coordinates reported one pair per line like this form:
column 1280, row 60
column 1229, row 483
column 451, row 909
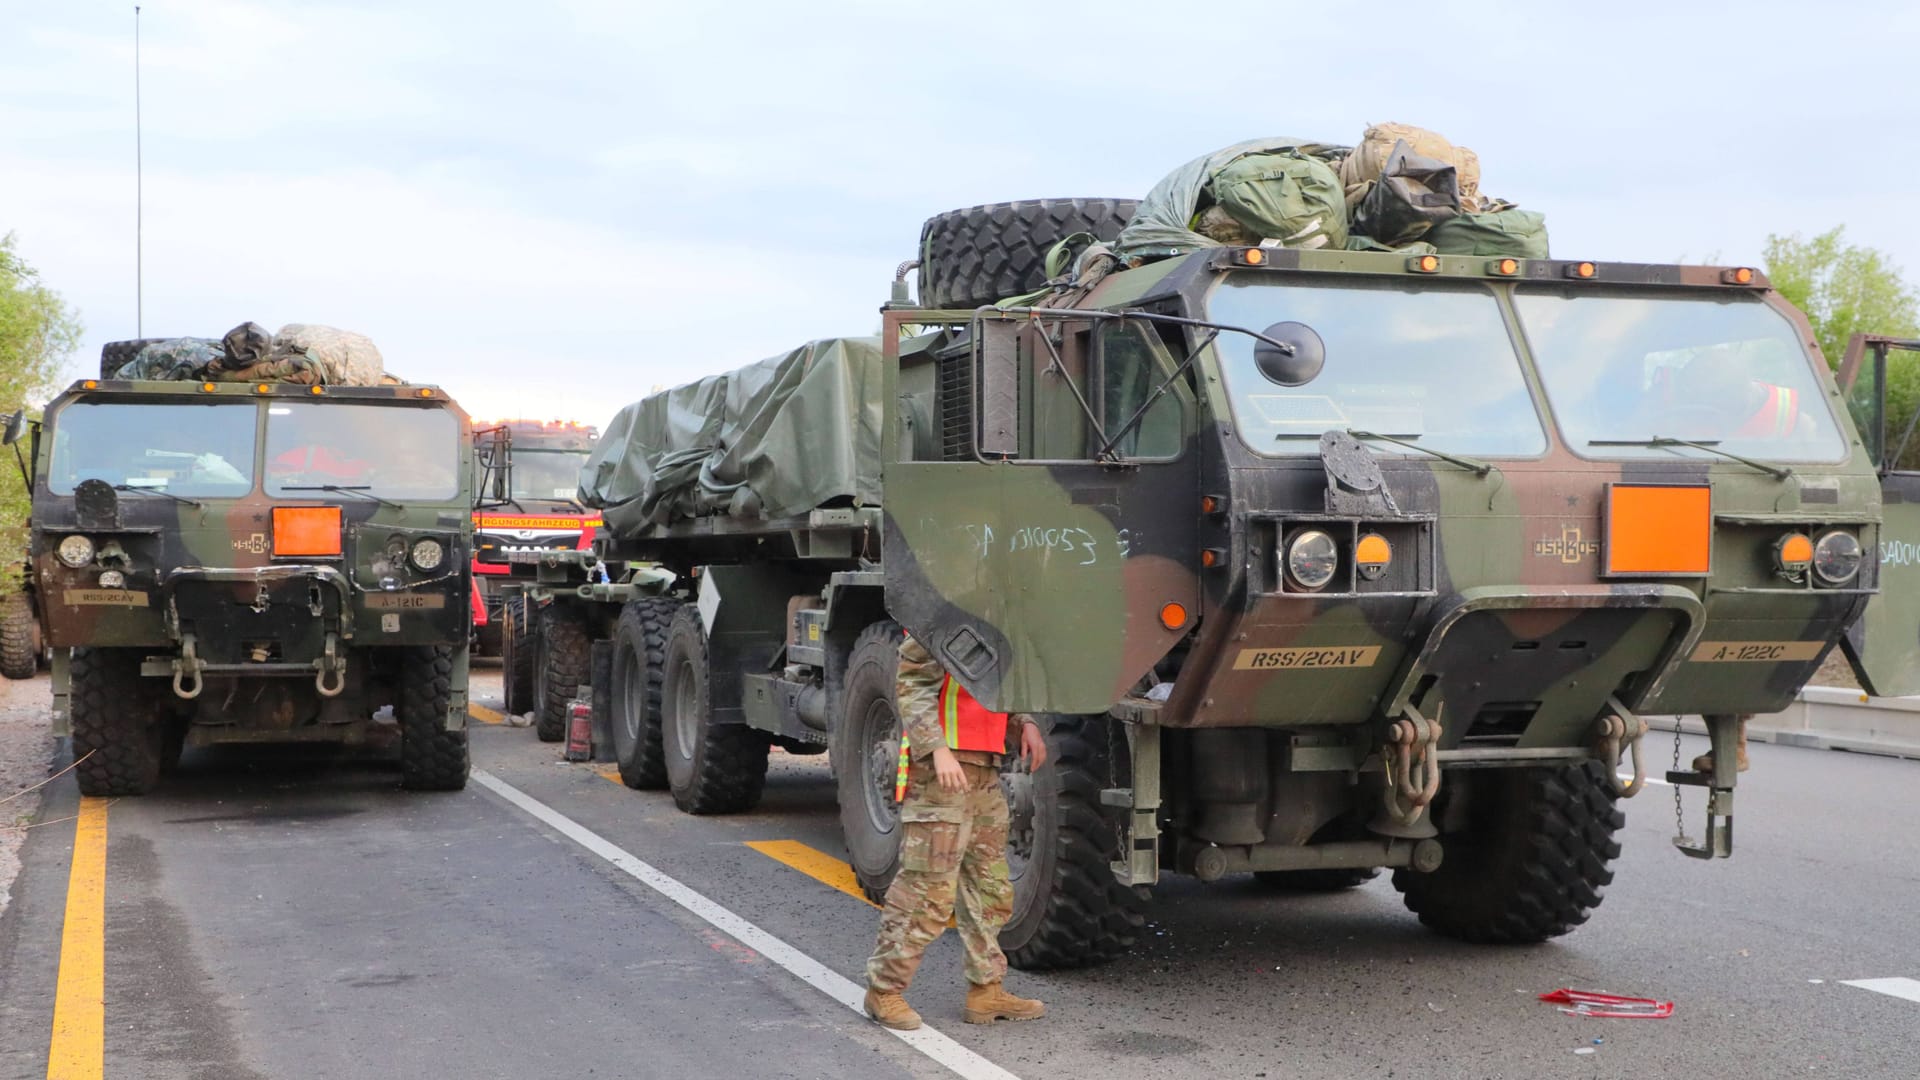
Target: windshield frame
column 335, row 410
column 53, row 438
column 1306, row 445
column 1582, row 445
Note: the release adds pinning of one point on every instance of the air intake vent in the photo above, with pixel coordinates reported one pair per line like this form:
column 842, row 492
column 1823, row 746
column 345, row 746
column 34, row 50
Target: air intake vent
column 955, row 400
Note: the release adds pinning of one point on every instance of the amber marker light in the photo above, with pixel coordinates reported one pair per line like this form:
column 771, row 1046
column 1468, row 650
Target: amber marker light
column 1793, row 554
column 1372, row 555
column 1504, row 267
column 316, row 390
column 1424, row 264
column 1253, row 256
column 1209, row 504
column 90, row 384
column 425, row 391
column 1173, row 616
column 306, row 530
column 1739, row 275
column 263, row 388
column 1581, row 270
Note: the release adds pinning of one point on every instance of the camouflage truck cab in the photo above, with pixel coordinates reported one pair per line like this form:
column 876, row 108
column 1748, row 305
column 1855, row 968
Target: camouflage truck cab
column 1325, row 562
column 227, row 562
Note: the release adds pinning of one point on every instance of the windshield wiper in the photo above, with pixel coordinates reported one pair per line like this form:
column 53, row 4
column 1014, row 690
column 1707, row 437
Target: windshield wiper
column 344, row 489
column 1478, row 468
column 195, row 503
column 1711, row 446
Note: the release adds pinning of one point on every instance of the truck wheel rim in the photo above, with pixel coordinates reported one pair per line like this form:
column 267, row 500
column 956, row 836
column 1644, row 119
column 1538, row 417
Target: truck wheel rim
column 633, row 698
column 686, row 724
column 882, row 731
column 1017, row 782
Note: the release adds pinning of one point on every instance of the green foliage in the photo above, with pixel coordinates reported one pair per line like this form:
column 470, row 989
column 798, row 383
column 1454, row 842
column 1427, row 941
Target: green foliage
column 37, row 331
column 1843, row 288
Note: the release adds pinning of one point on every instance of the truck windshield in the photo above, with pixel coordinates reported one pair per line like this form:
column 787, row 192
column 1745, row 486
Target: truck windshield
column 181, row 449
column 1636, row 365
column 1430, row 363
column 546, row 474
column 389, row 451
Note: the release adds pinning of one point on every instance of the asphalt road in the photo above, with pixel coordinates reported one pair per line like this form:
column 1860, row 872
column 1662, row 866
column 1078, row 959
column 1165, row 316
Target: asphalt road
column 267, row 918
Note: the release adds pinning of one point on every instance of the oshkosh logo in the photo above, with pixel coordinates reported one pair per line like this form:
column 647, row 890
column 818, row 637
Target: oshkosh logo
column 1571, row 546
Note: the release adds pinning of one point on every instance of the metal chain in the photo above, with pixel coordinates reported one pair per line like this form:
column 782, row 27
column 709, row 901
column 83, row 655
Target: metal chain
column 1679, row 814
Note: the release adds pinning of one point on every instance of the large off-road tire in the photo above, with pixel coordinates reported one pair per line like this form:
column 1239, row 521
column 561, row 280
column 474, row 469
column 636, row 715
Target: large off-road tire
column 1315, row 881
column 118, row 723
column 1531, row 861
column 712, row 768
column 561, row 654
column 866, row 757
column 115, row 355
column 986, row 253
column 639, row 663
column 516, row 656
column 431, row 757
column 19, row 647
column 1068, row 908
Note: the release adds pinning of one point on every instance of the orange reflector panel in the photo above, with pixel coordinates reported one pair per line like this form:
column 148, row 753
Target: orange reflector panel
column 1657, row 529
column 306, row 530
column 1173, row 616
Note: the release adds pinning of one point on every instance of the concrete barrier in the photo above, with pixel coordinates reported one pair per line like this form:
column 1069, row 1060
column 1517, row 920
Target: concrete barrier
column 1830, row 718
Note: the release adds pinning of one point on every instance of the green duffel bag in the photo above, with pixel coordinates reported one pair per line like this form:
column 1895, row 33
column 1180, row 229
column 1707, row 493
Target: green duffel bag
column 1356, row 242
column 1519, row 233
column 1286, row 196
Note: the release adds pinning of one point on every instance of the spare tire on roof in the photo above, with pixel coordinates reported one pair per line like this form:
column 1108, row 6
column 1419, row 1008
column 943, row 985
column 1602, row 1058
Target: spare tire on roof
column 986, row 253
column 115, row 355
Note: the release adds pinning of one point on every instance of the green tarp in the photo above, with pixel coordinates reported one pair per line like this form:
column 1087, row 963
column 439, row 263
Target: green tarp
column 774, row 439
column 1162, row 223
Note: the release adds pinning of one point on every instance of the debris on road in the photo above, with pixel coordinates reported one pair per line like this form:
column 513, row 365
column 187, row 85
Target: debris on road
column 1609, row 1006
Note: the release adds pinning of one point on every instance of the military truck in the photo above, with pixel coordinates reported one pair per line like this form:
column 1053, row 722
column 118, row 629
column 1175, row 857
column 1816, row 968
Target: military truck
column 239, row 562
column 526, row 483
column 1314, row 563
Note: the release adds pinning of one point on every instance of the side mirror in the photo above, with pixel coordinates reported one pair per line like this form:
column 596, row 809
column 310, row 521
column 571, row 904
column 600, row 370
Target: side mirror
column 1290, row 353
column 16, row 427
column 996, row 360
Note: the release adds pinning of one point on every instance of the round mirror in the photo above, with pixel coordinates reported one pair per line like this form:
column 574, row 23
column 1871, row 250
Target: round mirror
column 1296, row 368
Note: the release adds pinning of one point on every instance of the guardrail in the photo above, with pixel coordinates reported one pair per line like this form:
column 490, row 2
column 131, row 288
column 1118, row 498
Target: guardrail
column 1831, row 718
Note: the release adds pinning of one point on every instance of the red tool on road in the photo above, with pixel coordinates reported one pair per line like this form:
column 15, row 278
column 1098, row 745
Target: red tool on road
column 1614, row 1006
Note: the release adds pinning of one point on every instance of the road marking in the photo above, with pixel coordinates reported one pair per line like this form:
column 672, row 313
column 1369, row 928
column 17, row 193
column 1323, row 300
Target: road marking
column 609, row 772
column 485, row 715
column 932, row 1043
column 816, row 864
column 1908, row 989
column 1628, row 777
column 78, row 1049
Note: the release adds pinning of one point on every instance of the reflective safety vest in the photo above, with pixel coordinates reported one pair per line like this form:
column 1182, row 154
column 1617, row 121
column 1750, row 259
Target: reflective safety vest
column 1777, row 417
column 968, row 725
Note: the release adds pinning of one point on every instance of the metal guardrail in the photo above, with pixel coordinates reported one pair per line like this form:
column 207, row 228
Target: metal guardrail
column 1831, row 718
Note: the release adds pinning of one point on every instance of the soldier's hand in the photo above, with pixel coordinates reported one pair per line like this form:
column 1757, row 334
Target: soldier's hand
column 1033, row 745
column 946, row 769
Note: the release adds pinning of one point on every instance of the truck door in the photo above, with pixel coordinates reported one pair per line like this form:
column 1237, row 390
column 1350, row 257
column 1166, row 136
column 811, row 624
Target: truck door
column 1042, row 498
column 1881, row 377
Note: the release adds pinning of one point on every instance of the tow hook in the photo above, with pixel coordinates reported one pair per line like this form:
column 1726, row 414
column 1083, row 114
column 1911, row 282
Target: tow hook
column 1617, row 732
column 330, row 663
column 187, row 683
column 1412, row 766
column 1723, row 732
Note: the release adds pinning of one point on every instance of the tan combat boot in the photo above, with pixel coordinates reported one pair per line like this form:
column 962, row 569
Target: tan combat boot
column 891, row 1010
column 1704, row 763
column 988, row 1003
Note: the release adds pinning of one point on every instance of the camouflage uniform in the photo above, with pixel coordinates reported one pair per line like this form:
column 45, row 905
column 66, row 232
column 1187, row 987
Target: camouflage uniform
column 954, row 846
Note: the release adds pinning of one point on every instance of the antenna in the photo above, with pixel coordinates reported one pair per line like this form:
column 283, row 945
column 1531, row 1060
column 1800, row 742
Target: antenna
column 139, row 279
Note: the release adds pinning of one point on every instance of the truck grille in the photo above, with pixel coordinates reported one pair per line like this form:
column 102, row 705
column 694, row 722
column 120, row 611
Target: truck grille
column 955, row 401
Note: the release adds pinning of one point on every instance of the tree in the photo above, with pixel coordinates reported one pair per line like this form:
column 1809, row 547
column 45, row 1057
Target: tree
column 38, row 330
column 1843, row 288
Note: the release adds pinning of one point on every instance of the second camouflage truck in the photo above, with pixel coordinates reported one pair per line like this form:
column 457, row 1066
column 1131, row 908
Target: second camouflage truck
column 1315, row 563
column 238, row 561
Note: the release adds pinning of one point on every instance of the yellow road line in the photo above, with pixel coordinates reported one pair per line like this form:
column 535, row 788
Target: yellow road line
column 609, row 772
column 79, row 1003
column 485, row 715
column 817, row 865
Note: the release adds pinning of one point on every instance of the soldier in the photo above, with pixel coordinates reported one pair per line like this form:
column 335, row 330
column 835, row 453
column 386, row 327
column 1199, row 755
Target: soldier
column 953, row 816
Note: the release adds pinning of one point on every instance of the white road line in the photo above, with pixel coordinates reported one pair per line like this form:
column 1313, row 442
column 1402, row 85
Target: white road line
column 1650, row 779
column 940, row 1048
column 1894, row 987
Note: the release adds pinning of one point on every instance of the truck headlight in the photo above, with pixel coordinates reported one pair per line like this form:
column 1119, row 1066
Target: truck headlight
column 428, row 554
column 1836, row 557
column 1312, row 559
column 76, row 551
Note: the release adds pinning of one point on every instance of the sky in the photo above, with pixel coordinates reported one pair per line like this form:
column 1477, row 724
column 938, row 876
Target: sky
column 550, row 209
